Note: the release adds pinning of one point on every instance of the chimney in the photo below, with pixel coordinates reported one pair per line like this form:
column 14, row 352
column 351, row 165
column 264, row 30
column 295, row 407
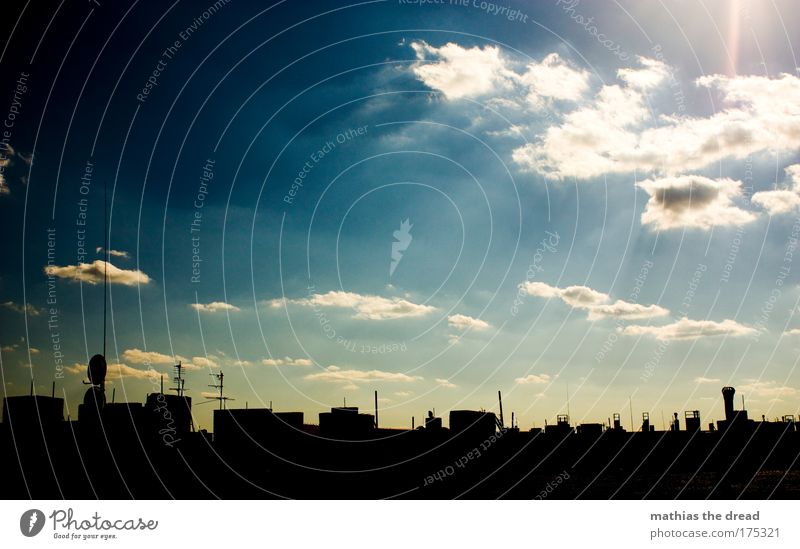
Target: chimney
column 727, row 396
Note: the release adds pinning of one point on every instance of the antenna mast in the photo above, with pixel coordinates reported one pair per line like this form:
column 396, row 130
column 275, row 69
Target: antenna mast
column 220, row 377
column 178, row 379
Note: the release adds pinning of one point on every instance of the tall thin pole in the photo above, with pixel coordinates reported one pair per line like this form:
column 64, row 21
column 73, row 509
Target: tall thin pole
column 376, row 409
column 568, row 399
column 500, row 401
column 106, row 255
column 630, row 405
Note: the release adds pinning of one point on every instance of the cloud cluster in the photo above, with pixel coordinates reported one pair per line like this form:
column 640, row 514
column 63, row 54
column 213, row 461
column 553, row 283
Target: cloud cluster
column 782, row 201
column 459, row 72
column 154, row 358
column 93, row 273
column 28, row 309
column 609, row 134
column 214, row 307
column 464, row 322
column 113, row 253
column 533, row 379
column 767, row 389
column 686, row 328
column 117, row 371
column 598, row 304
column 369, row 307
column 137, row 356
column 286, row 362
column 350, row 378
column 445, row 383
column 693, row 201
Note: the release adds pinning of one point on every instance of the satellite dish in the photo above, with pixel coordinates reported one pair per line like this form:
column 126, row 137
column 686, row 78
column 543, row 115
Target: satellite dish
column 97, row 370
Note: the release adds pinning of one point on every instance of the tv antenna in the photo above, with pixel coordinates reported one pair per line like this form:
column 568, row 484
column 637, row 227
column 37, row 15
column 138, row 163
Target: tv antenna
column 178, row 379
column 220, row 378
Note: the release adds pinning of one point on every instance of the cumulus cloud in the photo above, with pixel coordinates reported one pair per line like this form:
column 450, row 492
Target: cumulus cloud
column 113, row 253
column 460, row 72
column 334, row 374
column 446, row 383
column 286, row 361
column 781, row 201
column 28, row 309
column 370, row 307
column 533, row 379
column 768, row 389
column 92, row 273
column 137, row 356
column 463, row 322
column 214, row 307
column 117, row 371
column 692, row 201
column 610, row 134
column 203, row 362
column 597, row 304
column 706, row 380
column 691, row 329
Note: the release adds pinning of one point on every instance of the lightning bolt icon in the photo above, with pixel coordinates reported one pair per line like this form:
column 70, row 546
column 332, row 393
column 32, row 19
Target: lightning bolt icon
column 34, row 520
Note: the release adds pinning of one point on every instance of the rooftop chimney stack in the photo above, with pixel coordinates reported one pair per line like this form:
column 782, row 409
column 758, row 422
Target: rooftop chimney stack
column 727, row 396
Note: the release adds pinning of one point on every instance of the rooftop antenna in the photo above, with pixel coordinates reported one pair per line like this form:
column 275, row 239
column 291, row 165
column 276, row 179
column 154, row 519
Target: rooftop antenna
column 344, row 399
column 376, row 409
column 500, row 401
column 512, row 420
column 567, row 397
column 630, row 405
column 220, row 377
column 31, row 387
column 742, row 401
column 113, row 395
column 412, row 423
column 162, row 384
column 180, row 382
column 53, row 394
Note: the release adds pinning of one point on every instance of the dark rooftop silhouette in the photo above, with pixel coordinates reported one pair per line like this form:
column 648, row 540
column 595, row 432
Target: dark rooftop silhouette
column 130, row 450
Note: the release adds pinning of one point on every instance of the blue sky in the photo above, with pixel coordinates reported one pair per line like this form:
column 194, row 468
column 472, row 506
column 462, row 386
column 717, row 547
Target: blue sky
column 600, row 200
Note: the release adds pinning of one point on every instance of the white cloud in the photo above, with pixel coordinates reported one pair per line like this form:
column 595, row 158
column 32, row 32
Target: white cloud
column 533, row 379
column 652, row 73
column 137, row 356
column 769, row 389
column 553, row 78
column 446, row 383
column 203, row 362
column 461, row 72
column 609, row 134
column 793, row 331
column 28, row 309
column 113, row 253
column 706, row 380
column 691, row 329
column 369, row 307
column 286, row 362
column 214, row 307
column 92, row 273
column 781, row 201
column 463, row 322
column 334, row 374
column 117, row 371
column 597, row 304
column 777, row 202
column 692, row 201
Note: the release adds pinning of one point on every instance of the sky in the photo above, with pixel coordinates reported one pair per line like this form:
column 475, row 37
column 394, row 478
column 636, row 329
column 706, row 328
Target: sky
column 592, row 207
